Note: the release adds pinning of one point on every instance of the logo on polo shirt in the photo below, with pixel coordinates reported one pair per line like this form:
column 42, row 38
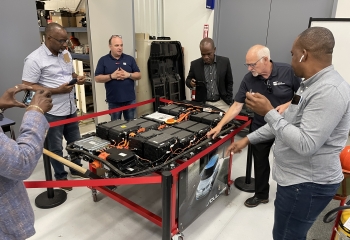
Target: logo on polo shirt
column 276, row 83
column 124, row 63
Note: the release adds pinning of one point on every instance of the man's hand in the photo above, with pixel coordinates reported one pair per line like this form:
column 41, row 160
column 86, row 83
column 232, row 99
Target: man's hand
column 236, row 147
column 258, row 103
column 42, row 99
column 281, row 108
column 214, row 132
column 8, row 100
column 80, row 80
column 65, row 88
column 120, row 74
column 193, row 82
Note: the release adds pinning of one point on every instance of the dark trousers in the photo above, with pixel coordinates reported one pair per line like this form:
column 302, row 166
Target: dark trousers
column 297, row 207
column 54, row 139
column 261, row 153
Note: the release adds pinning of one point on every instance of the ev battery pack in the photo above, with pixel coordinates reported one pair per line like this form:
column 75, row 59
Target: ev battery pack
column 148, row 125
column 156, row 147
column 121, row 158
column 120, row 132
column 212, row 119
column 177, row 111
column 102, row 129
column 91, row 144
column 183, row 139
column 171, row 130
column 165, row 109
column 200, row 129
column 136, row 143
column 198, row 117
column 185, row 125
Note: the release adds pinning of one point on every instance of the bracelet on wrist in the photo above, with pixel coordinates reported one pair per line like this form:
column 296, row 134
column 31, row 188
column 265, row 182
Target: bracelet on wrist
column 110, row 76
column 37, row 107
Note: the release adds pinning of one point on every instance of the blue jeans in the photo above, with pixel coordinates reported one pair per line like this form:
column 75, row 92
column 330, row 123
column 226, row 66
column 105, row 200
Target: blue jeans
column 128, row 114
column 54, row 139
column 297, row 207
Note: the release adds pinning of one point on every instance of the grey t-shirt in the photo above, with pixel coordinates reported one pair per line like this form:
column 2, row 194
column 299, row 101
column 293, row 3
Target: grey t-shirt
column 48, row 70
column 310, row 135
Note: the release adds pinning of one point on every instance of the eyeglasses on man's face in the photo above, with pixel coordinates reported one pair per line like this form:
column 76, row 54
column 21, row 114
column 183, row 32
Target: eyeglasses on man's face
column 62, row 41
column 252, row 65
column 268, row 85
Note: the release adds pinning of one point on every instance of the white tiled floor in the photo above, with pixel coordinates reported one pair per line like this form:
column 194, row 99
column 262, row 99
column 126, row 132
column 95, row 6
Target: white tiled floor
column 79, row 218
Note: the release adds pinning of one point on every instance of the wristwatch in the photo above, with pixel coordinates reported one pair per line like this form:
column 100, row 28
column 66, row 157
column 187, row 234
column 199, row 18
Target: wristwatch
column 130, row 75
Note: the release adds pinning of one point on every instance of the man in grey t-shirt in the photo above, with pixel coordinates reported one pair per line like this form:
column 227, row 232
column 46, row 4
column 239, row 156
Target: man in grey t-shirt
column 308, row 137
column 50, row 67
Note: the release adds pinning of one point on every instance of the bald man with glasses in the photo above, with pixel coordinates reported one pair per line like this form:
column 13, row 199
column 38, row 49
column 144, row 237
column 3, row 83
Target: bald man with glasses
column 277, row 82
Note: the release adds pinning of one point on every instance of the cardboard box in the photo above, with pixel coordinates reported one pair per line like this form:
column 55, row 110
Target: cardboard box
column 142, row 36
column 64, row 21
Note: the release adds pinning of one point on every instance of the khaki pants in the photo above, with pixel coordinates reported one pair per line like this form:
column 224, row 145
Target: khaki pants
column 219, row 104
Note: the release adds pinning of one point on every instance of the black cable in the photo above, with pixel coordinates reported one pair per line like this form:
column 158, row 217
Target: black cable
column 268, row 24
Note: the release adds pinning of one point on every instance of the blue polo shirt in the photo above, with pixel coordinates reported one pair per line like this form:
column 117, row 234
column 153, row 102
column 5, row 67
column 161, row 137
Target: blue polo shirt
column 118, row 91
column 283, row 83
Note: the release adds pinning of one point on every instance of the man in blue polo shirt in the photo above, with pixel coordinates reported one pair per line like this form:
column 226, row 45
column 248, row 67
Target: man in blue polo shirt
column 118, row 71
column 277, row 82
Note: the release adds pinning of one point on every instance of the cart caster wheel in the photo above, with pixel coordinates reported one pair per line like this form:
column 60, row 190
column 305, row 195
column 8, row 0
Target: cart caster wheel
column 178, row 236
column 228, row 190
column 94, row 197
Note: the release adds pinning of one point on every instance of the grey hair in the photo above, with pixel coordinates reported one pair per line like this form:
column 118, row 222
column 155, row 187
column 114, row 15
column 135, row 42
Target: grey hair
column 264, row 52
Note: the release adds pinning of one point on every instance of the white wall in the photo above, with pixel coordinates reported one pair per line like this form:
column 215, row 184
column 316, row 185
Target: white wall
column 184, row 21
column 343, row 9
column 146, row 17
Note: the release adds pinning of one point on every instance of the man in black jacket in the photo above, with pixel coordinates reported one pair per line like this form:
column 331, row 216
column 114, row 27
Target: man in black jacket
column 212, row 77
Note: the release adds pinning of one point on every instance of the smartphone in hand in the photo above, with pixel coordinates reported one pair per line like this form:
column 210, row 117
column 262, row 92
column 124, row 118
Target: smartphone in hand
column 28, row 96
column 73, row 81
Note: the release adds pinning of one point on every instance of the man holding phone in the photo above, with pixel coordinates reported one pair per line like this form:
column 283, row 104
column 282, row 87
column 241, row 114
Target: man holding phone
column 50, row 67
column 212, row 77
column 118, row 71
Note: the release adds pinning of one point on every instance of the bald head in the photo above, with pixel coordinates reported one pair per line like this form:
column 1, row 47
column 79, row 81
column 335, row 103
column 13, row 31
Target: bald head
column 207, row 49
column 206, row 42
column 53, row 27
column 258, row 51
column 318, row 41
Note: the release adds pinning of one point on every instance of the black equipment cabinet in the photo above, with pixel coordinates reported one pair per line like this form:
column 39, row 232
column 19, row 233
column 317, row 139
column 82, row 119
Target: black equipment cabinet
column 166, row 70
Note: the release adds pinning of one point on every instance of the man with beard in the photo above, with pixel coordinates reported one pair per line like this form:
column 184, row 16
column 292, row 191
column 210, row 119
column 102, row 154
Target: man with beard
column 308, row 137
column 277, row 82
column 50, row 67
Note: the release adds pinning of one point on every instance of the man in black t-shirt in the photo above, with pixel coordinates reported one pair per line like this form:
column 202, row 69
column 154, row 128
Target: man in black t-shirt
column 277, row 82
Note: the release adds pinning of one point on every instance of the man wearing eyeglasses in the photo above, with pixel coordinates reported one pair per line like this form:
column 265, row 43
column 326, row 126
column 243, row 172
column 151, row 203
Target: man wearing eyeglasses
column 51, row 67
column 278, row 83
column 118, row 71
column 308, row 138
column 212, row 77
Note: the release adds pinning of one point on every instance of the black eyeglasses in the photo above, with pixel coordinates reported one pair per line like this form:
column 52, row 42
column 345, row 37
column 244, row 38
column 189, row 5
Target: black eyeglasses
column 60, row 41
column 252, row 65
column 269, row 87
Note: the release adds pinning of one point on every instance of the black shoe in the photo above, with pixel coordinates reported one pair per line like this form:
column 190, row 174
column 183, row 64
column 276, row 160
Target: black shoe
column 65, row 188
column 254, row 201
column 77, row 175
